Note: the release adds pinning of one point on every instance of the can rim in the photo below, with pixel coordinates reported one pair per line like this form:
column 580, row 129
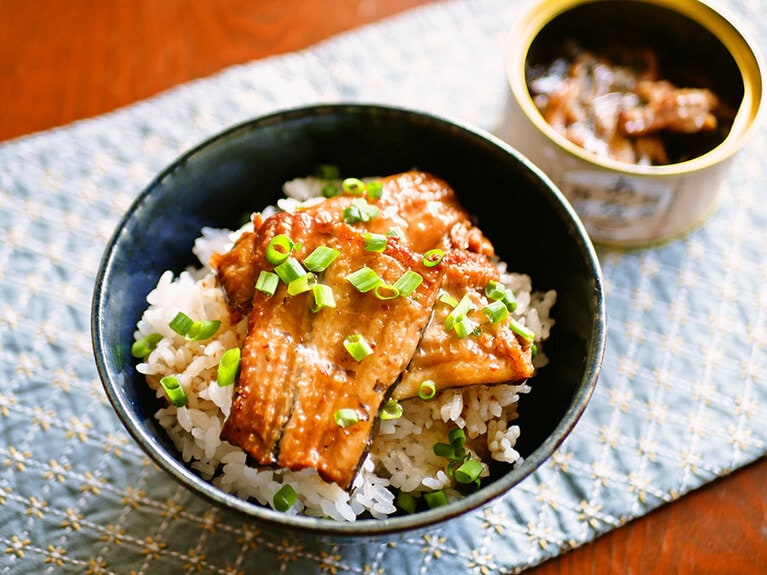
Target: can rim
column 749, row 61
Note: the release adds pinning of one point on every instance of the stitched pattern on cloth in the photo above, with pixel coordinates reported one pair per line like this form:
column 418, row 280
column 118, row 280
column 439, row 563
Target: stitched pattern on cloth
column 681, row 399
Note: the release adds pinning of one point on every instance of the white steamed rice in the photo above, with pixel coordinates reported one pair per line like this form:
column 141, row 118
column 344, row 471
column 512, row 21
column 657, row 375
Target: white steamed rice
column 401, row 457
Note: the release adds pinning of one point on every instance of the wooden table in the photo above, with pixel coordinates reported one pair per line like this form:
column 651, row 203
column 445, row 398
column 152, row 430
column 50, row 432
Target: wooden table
column 64, row 60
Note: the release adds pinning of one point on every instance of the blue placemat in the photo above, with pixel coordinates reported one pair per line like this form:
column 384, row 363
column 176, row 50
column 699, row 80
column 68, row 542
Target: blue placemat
column 681, row 399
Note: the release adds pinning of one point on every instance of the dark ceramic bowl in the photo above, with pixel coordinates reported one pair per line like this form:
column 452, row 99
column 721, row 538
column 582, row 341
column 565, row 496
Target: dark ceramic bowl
column 242, row 169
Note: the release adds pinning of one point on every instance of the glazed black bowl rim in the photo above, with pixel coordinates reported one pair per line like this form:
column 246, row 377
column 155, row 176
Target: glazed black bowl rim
column 362, row 527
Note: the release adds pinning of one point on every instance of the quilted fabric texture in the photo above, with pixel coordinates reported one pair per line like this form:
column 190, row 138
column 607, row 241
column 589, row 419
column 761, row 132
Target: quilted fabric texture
column 681, row 399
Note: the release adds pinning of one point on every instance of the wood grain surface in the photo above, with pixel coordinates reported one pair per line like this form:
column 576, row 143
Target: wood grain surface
column 64, row 60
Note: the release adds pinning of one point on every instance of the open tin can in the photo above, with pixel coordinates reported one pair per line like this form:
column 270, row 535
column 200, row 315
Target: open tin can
column 636, row 204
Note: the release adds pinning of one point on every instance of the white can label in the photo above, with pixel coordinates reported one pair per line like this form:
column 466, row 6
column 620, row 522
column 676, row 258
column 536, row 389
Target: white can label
column 616, row 207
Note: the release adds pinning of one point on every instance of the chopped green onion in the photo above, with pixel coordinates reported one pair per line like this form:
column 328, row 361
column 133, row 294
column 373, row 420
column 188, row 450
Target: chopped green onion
column 329, row 191
column 181, row 324
column 375, row 189
column 457, row 437
column 510, row 300
column 359, row 211
column 364, row 279
column 521, row 330
column 386, row 292
column 433, row 257
column 444, row 450
column 445, row 297
column 321, row 258
column 533, row 350
column 395, row 232
column 374, row 242
column 174, row 390
column 357, row 347
column 228, row 366
column 496, row 311
column 495, row 290
column 144, row 346
column 463, row 307
column 290, row 270
column 328, row 172
column 267, row 282
column 285, row 498
column 302, row 284
column 352, row 214
column 408, row 282
column 406, row 501
column 391, row 410
column 353, row 186
column 468, row 471
column 435, row 499
column 323, row 297
column 279, row 249
column 464, row 326
column 346, row 417
column 204, row 329
column 427, row 389
column 450, row 469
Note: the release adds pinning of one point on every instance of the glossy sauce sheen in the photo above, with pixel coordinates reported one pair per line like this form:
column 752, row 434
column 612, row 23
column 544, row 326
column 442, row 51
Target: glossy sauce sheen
column 295, row 372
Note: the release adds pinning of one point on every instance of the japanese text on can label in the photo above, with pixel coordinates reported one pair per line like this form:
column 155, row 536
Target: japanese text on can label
column 614, row 207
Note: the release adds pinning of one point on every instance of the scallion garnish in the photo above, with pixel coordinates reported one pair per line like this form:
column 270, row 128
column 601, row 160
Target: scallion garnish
column 357, row 347
column 391, row 410
column 328, row 172
column 520, row 330
column 374, row 189
column 510, row 300
column 495, row 290
column 279, row 249
column 461, row 466
column 353, row 186
column 496, row 311
column 302, row 284
column 330, row 190
column 285, row 498
column 457, row 437
column 468, row 471
column 444, row 450
column 203, row 329
column 267, row 282
column 319, row 260
column 174, row 391
column 445, row 297
column 374, row 242
column 144, row 346
column 228, row 366
column 359, row 211
column 427, row 389
column 433, row 257
column 181, row 324
column 408, row 282
column 406, row 501
column 395, row 233
column 323, row 297
column 346, row 417
column 463, row 307
column 290, row 270
column 386, row 292
column 464, row 326
column 364, row 279
column 435, row 499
